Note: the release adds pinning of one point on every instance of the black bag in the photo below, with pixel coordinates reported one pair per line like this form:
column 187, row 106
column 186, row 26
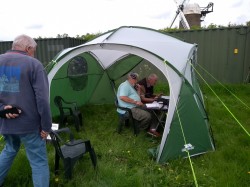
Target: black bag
column 13, row 110
column 163, row 100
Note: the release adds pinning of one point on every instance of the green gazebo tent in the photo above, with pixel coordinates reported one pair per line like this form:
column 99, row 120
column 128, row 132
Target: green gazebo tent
column 84, row 73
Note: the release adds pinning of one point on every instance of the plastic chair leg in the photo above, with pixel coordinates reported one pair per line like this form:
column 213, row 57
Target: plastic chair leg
column 120, row 125
column 57, row 159
column 93, row 157
column 68, row 168
column 136, row 127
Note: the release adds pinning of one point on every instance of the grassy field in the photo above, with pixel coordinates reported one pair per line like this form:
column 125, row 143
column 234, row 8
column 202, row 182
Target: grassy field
column 123, row 159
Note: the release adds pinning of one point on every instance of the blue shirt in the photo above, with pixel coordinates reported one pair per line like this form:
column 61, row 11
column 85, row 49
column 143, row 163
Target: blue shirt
column 126, row 89
column 24, row 84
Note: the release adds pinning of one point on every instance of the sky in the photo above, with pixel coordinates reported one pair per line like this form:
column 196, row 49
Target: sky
column 48, row 18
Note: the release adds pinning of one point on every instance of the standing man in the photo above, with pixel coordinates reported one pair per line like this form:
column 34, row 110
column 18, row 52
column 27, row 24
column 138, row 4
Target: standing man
column 24, row 84
column 129, row 97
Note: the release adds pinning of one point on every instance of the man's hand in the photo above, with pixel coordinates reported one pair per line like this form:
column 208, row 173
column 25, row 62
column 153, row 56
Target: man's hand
column 10, row 115
column 44, row 134
column 159, row 95
column 139, row 103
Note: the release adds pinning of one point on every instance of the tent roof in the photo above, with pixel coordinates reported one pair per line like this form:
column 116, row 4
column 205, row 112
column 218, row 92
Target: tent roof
column 170, row 49
column 137, row 44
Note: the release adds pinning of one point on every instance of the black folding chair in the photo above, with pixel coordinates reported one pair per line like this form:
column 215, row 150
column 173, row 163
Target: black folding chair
column 68, row 110
column 70, row 150
column 124, row 119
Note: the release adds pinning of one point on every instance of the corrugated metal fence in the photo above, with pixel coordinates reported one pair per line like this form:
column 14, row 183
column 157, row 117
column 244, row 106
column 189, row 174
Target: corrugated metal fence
column 47, row 49
column 223, row 52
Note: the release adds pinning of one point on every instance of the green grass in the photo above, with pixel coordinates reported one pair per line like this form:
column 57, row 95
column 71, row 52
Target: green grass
column 123, row 160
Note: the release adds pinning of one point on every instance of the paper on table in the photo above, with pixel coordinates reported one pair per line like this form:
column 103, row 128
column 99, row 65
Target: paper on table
column 154, row 105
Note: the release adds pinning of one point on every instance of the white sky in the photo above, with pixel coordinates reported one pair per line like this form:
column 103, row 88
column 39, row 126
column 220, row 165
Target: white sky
column 47, row 18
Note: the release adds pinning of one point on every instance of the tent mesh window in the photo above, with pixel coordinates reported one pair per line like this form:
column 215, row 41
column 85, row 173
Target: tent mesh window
column 77, row 73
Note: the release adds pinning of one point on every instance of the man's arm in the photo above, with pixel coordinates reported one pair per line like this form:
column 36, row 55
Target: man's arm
column 142, row 95
column 129, row 100
column 41, row 89
column 147, row 100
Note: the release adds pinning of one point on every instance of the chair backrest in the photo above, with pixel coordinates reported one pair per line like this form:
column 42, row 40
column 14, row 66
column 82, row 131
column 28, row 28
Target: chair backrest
column 55, row 138
column 116, row 102
column 122, row 108
column 58, row 100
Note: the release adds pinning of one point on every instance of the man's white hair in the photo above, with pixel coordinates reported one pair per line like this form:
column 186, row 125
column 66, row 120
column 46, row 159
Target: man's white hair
column 153, row 76
column 23, row 41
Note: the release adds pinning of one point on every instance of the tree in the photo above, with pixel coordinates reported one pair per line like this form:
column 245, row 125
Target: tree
column 89, row 36
column 62, row 36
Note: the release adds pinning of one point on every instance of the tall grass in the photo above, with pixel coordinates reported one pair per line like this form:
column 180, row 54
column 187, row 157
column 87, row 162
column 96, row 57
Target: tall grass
column 123, row 159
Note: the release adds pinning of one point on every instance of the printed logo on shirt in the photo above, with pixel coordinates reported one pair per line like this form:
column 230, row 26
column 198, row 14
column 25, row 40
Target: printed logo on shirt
column 9, row 78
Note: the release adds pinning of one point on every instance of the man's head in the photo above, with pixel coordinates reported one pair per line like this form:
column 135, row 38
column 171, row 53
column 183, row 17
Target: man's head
column 25, row 43
column 152, row 79
column 132, row 78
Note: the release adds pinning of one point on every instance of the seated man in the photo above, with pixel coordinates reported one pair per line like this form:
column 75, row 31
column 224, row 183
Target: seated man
column 147, row 88
column 129, row 97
